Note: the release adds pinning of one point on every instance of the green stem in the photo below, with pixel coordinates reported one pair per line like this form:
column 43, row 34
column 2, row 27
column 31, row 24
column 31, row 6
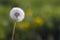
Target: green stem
column 13, row 32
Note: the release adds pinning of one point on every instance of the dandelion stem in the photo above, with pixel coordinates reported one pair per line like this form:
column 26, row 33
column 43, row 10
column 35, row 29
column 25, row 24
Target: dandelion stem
column 13, row 32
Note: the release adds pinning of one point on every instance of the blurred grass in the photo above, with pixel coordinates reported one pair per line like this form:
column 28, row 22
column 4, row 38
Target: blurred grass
column 37, row 13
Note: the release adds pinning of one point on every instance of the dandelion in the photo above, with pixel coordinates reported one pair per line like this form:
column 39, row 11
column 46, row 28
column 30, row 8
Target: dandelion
column 28, row 12
column 24, row 25
column 17, row 14
column 38, row 21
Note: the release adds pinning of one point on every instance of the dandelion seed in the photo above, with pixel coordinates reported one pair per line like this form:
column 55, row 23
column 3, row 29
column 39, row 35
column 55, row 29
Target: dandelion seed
column 17, row 14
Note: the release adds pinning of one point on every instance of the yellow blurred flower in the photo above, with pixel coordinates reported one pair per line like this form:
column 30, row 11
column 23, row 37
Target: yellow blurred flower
column 28, row 12
column 38, row 21
column 24, row 25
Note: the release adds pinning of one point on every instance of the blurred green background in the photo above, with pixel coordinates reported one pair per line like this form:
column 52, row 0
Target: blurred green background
column 42, row 20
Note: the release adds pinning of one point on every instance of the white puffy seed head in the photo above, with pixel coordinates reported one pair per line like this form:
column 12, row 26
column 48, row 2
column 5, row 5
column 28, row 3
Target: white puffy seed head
column 17, row 14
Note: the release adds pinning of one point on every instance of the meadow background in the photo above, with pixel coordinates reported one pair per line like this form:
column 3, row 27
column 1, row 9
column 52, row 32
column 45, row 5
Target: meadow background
column 42, row 20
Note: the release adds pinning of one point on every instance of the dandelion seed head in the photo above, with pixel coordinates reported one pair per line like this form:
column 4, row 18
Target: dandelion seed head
column 17, row 14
